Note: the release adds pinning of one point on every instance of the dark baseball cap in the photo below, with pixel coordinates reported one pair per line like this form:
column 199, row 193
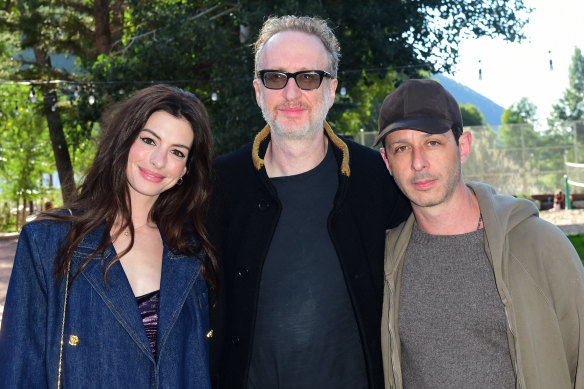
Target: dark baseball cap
column 422, row 105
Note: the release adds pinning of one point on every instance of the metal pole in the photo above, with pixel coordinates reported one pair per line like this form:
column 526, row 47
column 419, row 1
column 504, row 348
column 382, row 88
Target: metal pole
column 576, row 160
column 523, row 159
column 567, row 192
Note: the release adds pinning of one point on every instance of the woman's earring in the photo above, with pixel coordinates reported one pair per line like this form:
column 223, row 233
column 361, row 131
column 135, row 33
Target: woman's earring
column 179, row 182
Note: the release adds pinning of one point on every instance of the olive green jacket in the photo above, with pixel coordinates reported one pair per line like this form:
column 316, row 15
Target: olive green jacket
column 540, row 280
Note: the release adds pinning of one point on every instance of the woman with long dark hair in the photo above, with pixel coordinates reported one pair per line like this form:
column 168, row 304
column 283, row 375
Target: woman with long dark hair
column 112, row 290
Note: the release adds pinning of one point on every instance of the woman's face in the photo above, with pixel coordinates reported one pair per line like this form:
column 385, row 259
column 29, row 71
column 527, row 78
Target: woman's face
column 158, row 157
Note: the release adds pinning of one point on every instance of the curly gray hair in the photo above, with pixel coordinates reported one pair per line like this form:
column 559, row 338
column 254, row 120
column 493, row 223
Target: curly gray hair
column 310, row 25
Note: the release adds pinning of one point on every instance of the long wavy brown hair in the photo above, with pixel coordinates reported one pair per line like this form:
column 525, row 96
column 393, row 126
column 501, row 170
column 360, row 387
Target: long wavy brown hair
column 104, row 195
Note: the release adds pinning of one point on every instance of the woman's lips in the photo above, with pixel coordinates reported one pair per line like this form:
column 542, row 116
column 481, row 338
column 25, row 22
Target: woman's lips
column 151, row 176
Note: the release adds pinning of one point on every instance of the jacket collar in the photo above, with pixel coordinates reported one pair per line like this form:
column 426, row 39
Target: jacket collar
column 260, row 144
column 179, row 273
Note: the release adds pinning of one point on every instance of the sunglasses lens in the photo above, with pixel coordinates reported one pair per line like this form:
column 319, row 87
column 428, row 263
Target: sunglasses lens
column 275, row 80
column 308, row 80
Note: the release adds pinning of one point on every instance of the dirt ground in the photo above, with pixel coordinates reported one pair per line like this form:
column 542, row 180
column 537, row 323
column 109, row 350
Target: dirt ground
column 570, row 221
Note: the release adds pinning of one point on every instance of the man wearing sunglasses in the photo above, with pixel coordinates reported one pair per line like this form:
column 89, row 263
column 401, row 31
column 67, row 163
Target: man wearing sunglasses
column 298, row 220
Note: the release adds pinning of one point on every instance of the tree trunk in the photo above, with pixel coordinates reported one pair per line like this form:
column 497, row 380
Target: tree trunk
column 60, row 148
column 117, row 20
column 23, row 214
column 102, row 26
column 56, row 133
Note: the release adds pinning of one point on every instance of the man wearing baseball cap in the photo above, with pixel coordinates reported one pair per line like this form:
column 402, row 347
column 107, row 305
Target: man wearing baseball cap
column 479, row 291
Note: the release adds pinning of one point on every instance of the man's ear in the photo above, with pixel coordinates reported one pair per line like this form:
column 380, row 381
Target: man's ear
column 332, row 88
column 256, row 87
column 464, row 143
column 385, row 159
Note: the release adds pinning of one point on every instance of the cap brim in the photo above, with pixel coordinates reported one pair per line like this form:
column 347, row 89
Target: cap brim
column 430, row 125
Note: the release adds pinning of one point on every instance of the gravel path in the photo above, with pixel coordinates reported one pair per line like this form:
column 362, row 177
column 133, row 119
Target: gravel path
column 570, row 221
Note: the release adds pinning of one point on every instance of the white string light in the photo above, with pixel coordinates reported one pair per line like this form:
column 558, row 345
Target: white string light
column 480, row 70
column 214, row 92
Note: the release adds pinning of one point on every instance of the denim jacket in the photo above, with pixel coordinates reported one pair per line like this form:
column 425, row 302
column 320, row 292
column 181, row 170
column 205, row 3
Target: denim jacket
column 105, row 343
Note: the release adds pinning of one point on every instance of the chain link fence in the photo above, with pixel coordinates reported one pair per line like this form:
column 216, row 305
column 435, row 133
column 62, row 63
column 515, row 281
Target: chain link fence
column 519, row 160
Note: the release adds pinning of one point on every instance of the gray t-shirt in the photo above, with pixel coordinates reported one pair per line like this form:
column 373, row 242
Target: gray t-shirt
column 306, row 334
column 451, row 318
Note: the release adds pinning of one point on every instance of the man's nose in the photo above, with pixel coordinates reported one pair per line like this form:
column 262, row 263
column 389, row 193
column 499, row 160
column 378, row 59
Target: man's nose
column 291, row 90
column 419, row 160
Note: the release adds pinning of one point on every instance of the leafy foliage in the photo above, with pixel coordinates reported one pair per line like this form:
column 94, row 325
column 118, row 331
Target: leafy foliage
column 360, row 108
column 121, row 46
column 512, row 135
column 383, row 43
column 566, row 117
column 155, row 49
column 536, row 151
column 571, row 105
column 471, row 115
column 23, row 151
column 395, row 33
column 41, row 29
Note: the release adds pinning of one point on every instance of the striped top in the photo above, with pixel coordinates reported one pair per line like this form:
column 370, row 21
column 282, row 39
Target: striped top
column 148, row 305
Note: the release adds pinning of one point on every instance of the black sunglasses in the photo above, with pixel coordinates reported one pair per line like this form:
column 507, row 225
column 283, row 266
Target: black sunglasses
column 308, row 80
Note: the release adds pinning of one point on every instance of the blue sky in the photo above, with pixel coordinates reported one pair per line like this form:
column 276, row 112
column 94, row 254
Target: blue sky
column 514, row 70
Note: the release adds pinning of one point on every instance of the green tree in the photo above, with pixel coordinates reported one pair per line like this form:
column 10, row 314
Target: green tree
column 567, row 117
column 153, row 48
column 472, row 115
column 360, row 109
column 45, row 28
column 203, row 46
column 23, row 156
column 382, row 43
column 534, row 151
column 517, row 130
column 400, row 34
column 571, row 106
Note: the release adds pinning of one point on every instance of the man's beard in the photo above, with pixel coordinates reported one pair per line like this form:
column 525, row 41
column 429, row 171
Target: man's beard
column 312, row 126
column 449, row 183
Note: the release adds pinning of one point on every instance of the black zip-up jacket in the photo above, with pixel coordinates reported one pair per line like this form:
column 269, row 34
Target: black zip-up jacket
column 243, row 216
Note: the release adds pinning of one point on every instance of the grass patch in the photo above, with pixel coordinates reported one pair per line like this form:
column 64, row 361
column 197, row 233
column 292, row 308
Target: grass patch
column 578, row 242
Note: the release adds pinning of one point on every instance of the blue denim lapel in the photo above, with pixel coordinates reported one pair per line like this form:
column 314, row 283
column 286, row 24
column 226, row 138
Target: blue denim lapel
column 117, row 295
column 179, row 273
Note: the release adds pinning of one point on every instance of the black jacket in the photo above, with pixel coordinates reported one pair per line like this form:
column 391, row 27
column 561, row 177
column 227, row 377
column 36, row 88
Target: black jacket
column 242, row 219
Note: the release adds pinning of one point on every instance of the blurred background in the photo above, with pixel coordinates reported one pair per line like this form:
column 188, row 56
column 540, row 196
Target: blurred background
column 64, row 63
